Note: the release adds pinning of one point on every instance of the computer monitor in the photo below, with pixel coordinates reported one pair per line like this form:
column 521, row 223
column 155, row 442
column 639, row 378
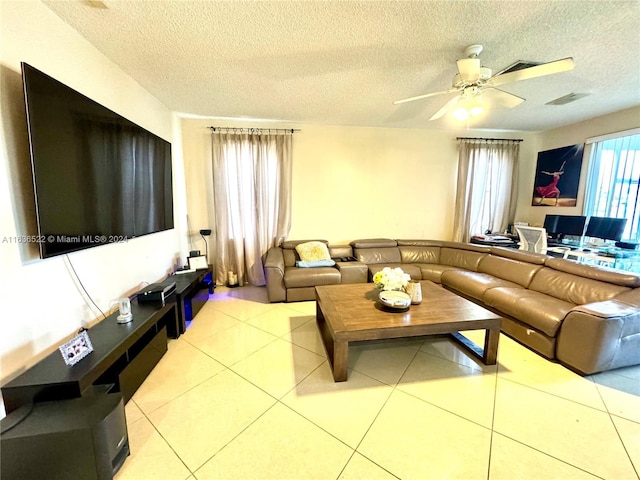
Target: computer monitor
column 606, row 228
column 557, row 226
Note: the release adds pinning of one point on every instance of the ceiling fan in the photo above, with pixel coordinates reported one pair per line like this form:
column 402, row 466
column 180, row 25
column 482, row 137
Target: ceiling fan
column 475, row 83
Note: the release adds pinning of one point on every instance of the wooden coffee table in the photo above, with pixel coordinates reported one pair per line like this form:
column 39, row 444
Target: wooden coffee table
column 350, row 313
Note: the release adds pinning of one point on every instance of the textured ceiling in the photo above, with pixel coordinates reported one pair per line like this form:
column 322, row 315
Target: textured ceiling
column 345, row 62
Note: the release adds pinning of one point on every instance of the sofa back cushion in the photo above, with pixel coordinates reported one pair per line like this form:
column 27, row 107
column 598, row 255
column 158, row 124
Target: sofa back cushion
column 521, row 255
column 508, row 269
column 340, row 251
column 377, row 255
column 466, row 259
column 625, row 279
column 573, row 288
column 419, row 254
column 419, row 243
column 373, row 243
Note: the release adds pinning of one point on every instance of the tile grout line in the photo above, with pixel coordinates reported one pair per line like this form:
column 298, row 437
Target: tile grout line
column 231, row 440
column 556, row 395
column 493, row 415
column 615, row 427
column 163, row 438
column 393, row 389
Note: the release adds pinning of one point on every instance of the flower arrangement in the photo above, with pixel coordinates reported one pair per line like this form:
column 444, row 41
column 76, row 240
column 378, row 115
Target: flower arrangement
column 391, row 279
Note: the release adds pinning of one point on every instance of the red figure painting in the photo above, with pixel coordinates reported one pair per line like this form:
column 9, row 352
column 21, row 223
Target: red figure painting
column 557, row 177
column 551, row 190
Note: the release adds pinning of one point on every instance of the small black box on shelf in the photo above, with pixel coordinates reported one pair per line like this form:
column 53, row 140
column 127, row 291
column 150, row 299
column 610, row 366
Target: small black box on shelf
column 627, row 245
column 156, row 292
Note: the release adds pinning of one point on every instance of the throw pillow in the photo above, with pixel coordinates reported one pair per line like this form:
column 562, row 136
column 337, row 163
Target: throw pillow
column 315, row 263
column 313, row 251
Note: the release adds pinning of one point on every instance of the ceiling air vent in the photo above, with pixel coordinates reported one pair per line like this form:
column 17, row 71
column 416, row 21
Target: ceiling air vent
column 519, row 65
column 572, row 97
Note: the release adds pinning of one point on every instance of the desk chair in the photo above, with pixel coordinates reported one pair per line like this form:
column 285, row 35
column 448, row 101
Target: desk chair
column 532, row 239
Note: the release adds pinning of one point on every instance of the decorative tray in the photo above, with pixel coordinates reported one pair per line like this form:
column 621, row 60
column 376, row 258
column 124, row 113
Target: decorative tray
column 395, row 300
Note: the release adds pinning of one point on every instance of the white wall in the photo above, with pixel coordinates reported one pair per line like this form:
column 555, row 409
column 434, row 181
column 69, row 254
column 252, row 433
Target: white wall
column 42, row 306
column 351, row 182
column 562, row 137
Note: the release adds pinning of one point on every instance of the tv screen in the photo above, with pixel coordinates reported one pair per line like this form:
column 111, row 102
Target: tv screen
column 98, row 177
column 607, row 228
column 560, row 225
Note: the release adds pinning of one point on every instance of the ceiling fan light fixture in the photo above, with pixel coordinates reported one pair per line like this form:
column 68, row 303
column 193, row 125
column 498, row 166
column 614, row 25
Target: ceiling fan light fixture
column 461, row 114
column 476, row 110
column 468, row 107
column 476, row 85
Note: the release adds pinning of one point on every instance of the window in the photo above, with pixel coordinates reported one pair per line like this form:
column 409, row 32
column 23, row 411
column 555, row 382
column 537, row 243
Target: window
column 485, row 189
column 614, row 176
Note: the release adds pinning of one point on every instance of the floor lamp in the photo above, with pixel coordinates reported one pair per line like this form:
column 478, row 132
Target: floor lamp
column 206, row 232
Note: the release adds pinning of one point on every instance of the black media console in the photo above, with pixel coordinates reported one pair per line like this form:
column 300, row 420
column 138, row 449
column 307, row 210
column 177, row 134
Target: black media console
column 192, row 292
column 123, row 355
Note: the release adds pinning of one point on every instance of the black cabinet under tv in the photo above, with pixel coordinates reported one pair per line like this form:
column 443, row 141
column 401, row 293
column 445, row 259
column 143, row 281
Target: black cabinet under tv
column 192, row 292
column 123, row 355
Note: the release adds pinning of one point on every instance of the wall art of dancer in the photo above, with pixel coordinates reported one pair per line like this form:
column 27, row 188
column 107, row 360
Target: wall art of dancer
column 557, row 177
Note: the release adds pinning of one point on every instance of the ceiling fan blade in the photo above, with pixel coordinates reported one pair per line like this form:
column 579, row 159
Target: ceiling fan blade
column 469, row 69
column 447, row 106
column 501, row 97
column 419, row 97
column 558, row 66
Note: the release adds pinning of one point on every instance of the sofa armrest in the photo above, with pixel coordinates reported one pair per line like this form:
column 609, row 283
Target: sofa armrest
column 595, row 337
column 274, row 273
column 353, row 272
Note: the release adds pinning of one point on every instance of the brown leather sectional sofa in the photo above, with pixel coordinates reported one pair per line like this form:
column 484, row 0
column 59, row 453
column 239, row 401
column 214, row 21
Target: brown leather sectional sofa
column 585, row 317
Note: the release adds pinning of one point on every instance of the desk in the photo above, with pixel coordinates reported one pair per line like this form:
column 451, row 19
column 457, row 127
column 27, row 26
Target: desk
column 494, row 241
column 620, row 259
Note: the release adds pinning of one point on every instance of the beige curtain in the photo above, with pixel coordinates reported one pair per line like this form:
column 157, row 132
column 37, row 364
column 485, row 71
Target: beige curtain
column 487, row 186
column 252, row 199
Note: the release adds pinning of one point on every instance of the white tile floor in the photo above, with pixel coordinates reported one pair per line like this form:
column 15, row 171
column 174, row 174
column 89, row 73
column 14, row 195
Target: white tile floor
column 247, row 393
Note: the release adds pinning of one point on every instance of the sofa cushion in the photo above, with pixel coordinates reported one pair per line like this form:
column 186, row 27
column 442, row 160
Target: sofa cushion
column 573, row 288
column 412, row 270
column 373, row 243
column 473, row 284
column 419, row 254
column 310, row 277
column 508, row 269
column 313, row 251
column 434, row 272
column 593, row 272
column 419, row 243
column 466, row 259
column 315, row 263
column 377, row 255
column 340, row 251
column 522, row 255
column 289, row 253
column 540, row 311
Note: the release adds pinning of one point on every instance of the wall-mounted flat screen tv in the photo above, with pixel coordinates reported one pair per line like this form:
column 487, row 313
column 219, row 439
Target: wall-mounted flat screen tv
column 98, row 177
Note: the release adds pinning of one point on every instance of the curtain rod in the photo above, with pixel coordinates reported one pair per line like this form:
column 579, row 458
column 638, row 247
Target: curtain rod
column 256, row 130
column 491, row 139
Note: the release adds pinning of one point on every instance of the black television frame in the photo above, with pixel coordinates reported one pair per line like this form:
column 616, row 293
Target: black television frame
column 128, row 195
column 606, row 228
column 558, row 226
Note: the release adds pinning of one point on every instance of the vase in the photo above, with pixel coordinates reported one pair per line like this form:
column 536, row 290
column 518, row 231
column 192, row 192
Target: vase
column 414, row 290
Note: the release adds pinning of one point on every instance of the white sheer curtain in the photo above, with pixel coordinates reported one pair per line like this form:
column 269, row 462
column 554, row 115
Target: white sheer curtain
column 487, row 186
column 252, row 199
